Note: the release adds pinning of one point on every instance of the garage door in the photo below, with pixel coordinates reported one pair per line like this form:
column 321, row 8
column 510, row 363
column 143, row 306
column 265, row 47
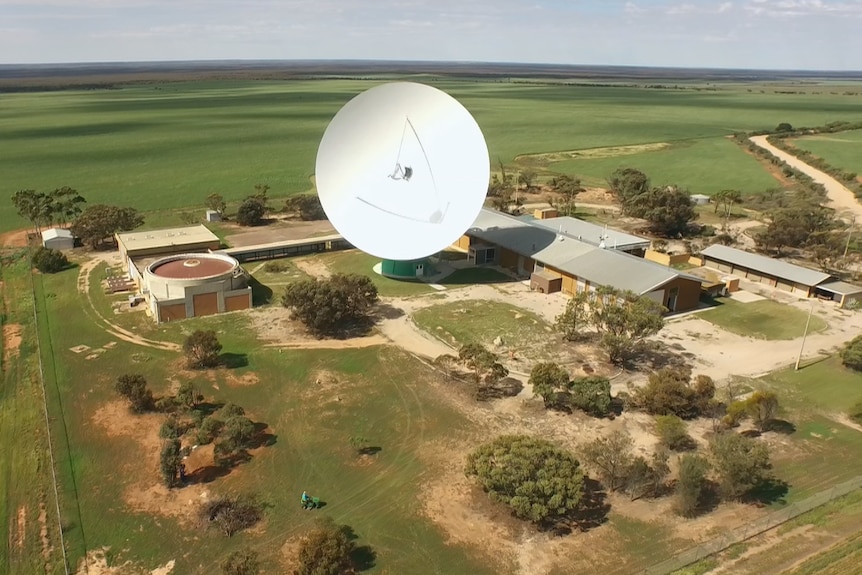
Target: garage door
column 722, row 267
column 206, row 304
column 753, row 276
column 784, row 286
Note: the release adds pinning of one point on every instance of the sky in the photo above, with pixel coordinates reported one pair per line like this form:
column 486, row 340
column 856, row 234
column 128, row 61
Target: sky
column 753, row 34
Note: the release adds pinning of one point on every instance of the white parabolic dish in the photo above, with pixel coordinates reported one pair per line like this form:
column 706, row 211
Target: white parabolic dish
column 402, row 171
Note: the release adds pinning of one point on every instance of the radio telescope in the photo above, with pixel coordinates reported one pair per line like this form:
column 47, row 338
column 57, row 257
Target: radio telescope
column 402, row 171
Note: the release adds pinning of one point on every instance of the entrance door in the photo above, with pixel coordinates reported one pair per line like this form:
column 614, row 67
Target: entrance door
column 420, row 270
column 671, row 298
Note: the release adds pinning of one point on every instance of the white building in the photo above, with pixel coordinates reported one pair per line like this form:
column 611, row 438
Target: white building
column 700, row 199
column 58, row 239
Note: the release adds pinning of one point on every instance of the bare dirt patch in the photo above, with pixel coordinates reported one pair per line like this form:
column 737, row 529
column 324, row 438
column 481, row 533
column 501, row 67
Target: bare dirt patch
column 21, row 527
column 11, row 341
column 96, row 563
column 592, row 153
column 47, row 548
column 312, row 267
column 16, row 239
column 279, row 230
column 242, row 380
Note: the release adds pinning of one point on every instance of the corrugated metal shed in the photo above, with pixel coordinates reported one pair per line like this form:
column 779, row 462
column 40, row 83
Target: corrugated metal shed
column 842, row 288
column 766, row 265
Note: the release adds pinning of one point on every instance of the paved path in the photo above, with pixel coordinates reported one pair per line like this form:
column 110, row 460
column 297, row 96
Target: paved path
column 840, row 198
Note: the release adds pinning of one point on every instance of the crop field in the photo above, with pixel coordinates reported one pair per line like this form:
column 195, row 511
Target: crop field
column 841, row 150
column 162, row 146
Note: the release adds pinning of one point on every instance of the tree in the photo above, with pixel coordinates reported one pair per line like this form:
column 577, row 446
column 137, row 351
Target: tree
column 482, row 362
column 784, row 127
column 234, row 438
column 260, row 194
column 550, row 382
column 762, row 407
column 216, row 203
column 672, row 432
column 326, row 550
column 611, row 456
column 795, row 226
column 669, row 210
column 171, row 428
column 243, row 562
column 568, row 188
column 250, row 212
column 202, row 349
column 576, row 318
column 591, row 394
column 134, row 388
column 307, row 206
column 742, row 464
column 208, row 430
column 33, row 206
column 65, row 205
column 101, row 221
column 49, row 261
column 170, row 462
column 624, row 320
column 188, row 396
column 527, row 178
column 537, row 480
column 691, row 484
column 851, row 355
column 726, row 200
column 626, row 184
column 231, row 515
column 331, row 306
column 668, row 392
column 647, row 478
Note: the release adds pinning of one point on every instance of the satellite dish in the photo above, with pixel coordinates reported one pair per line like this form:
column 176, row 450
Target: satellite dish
column 402, row 171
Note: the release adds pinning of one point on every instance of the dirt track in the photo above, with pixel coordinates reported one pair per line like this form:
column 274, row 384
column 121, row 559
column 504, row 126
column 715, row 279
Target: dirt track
column 840, row 198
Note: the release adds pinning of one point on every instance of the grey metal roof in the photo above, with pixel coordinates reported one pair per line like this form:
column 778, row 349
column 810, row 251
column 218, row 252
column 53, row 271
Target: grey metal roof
column 568, row 254
column 53, row 233
column 766, row 265
column 839, row 287
column 593, row 233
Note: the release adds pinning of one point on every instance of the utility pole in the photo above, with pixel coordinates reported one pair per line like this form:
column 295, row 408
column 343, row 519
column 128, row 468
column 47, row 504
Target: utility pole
column 804, row 334
column 849, row 233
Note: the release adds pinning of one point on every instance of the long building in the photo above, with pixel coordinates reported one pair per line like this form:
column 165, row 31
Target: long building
column 557, row 261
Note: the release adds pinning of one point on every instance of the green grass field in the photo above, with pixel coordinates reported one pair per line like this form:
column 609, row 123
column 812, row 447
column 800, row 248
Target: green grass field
column 311, row 450
column 762, row 319
column 841, row 150
column 164, row 146
column 356, row 262
column 27, row 502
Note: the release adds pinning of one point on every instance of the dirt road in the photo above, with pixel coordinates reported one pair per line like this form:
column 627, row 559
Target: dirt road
column 840, row 198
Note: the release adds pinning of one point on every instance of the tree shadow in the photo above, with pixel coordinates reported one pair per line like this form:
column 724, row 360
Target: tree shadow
column 370, row 450
column 506, row 387
column 751, row 433
column 656, row 355
column 206, row 474
column 709, row 498
column 233, row 360
column 362, row 557
column 781, row 426
column 594, row 508
column 261, row 438
column 260, row 294
column 386, row 311
column 771, row 490
column 207, row 408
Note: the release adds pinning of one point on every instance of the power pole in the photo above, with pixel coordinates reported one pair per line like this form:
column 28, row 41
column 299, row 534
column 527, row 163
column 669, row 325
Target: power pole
column 804, row 334
column 849, row 233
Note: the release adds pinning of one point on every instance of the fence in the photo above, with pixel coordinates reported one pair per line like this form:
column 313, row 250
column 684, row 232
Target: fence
column 752, row 529
column 672, row 260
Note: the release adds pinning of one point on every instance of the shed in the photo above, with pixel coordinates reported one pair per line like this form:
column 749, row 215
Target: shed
column 58, row 239
column 700, row 199
column 213, row 216
column 762, row 269
column 844, row 293
column 545, row 282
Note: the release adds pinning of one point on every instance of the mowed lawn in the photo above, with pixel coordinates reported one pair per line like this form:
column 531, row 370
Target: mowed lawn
column 842, row 149
column 762, row 319
column 364, row 393
column 816, row 400
column 357, row 262
column 165, row 146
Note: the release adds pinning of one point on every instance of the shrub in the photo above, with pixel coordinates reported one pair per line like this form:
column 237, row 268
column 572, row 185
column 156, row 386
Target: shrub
column 250, row 212
column 537, row 480
column 170, row 461
column 691, row 484
column 851, row 355
column 49, row 261
column 208, row 430
column 134, row 388
column 856, row 412
column 171, row 428
column 275, row 267
column 244, row 562
column 231, row 514
column 591, row 395
column 672, row 432
column 326, row 550
column 202, row 349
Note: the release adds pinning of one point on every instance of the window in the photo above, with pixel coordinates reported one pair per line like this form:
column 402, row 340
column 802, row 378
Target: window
column 490, row 255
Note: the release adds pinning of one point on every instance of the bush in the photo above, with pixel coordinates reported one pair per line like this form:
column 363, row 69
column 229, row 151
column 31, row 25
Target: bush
column 537, row 480
column 668, row 392
column 231, row 514
column 591, row 395
column 49, row 261
column 275, row 267
column 202, row 349
column 326, row 550
column 331, row 306
column 243, row 562
column 856, row 412
column 742, row 464
column 170, row 461
column 171, row 428
column 250, row 212
column 851, row 355
column 208, row 430
column 691, row 484
column 134, row 388
column 672, row 432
